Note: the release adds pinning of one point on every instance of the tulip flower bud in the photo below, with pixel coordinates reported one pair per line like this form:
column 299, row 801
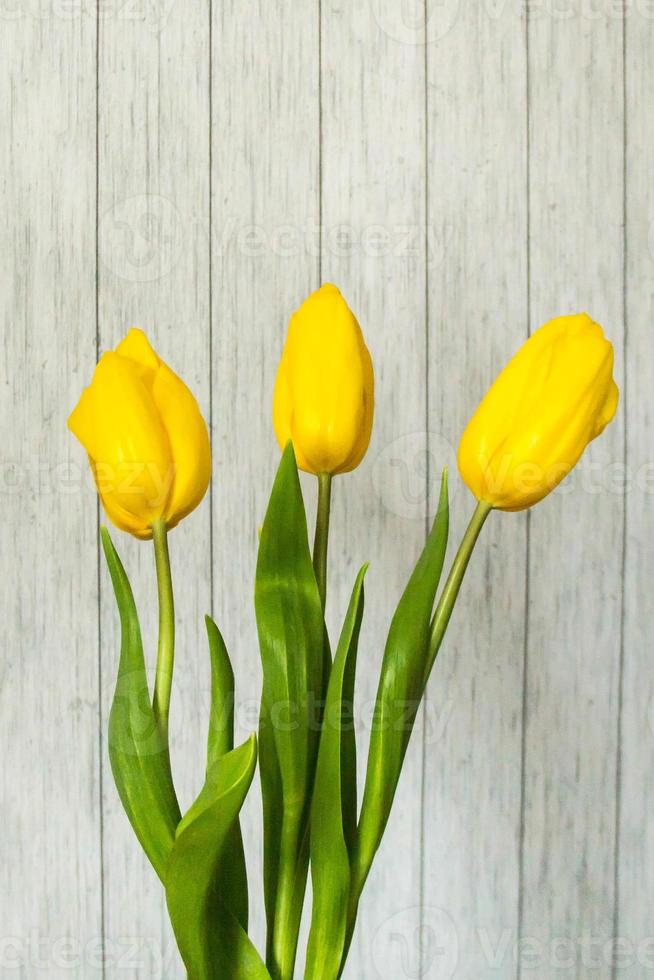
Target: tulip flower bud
column 324, row 391
column 147, row 442
column 554, row 397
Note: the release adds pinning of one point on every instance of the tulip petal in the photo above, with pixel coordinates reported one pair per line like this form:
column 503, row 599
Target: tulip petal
column 368, row 394
column 609, row 409
column 282, row 409
column 116, row 513
column 324, row 398
column 189, row 443
column 532, row 426
column 118, row 424
column 137, row 347
column 283, row 414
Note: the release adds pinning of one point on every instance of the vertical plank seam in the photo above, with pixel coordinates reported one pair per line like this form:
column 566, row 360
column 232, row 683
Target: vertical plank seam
column 210, row 271
column 422, row 886
column 97, row 502
column 623, row 560
column 525, row 650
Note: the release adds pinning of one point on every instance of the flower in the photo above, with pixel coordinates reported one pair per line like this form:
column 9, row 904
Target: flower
column 324, row 391
column 554, row 397
column 147, row 442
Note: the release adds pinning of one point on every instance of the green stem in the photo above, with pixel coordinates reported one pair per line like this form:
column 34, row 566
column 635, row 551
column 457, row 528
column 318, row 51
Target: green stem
column 166, row 646
column 448, row 597
column 322, row 534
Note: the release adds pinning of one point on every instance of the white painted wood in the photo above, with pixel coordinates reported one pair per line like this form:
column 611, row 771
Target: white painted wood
column 410, row 134
column 373, row 212
column 576, row 211
column 154, row 273
column 477, row 320
column 265, row 125
column 636, row 786
column 50, row 795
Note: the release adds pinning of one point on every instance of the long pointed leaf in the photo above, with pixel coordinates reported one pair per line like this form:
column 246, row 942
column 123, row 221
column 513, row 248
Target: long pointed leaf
column 330, row 824
column 219, row 743
column 290, row 626
column 213, row 944
column 273, row 807
column 138, row 753
column 221, row 719
column 401, row 687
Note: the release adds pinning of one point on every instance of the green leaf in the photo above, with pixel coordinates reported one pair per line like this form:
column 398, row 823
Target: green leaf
column 273, row 807
column 219, row 743
column 348, row 735
column 138, row 751
column 221, row 719
column 213, row 944
column 401, row 687
column 331, row 822
column 290, row 625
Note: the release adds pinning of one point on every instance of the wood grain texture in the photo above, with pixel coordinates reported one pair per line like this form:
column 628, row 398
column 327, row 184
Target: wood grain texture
column 576, row 213
column 154, row 273
column 473, row 171
column 477, row 172
column 373, row 244
column 50, row 794
column 634, row 917
column 265, row 217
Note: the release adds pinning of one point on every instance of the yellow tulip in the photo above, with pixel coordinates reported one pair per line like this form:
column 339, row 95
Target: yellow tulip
column 324, row 391
column 147, row 442
column 554, row 397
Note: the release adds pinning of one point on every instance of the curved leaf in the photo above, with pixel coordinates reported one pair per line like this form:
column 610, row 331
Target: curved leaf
column 138, row 753
column 221, row 719
column 219, row 743
column 401, row 686
column 213, row 944
column 331, row 816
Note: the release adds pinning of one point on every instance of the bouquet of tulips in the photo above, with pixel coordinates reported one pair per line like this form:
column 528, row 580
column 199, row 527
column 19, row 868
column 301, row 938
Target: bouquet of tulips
column 149, row 450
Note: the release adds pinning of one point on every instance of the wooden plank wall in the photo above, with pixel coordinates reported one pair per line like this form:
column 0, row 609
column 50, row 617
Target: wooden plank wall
column 463, row 172
column 52, row 892
column 478, row 315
